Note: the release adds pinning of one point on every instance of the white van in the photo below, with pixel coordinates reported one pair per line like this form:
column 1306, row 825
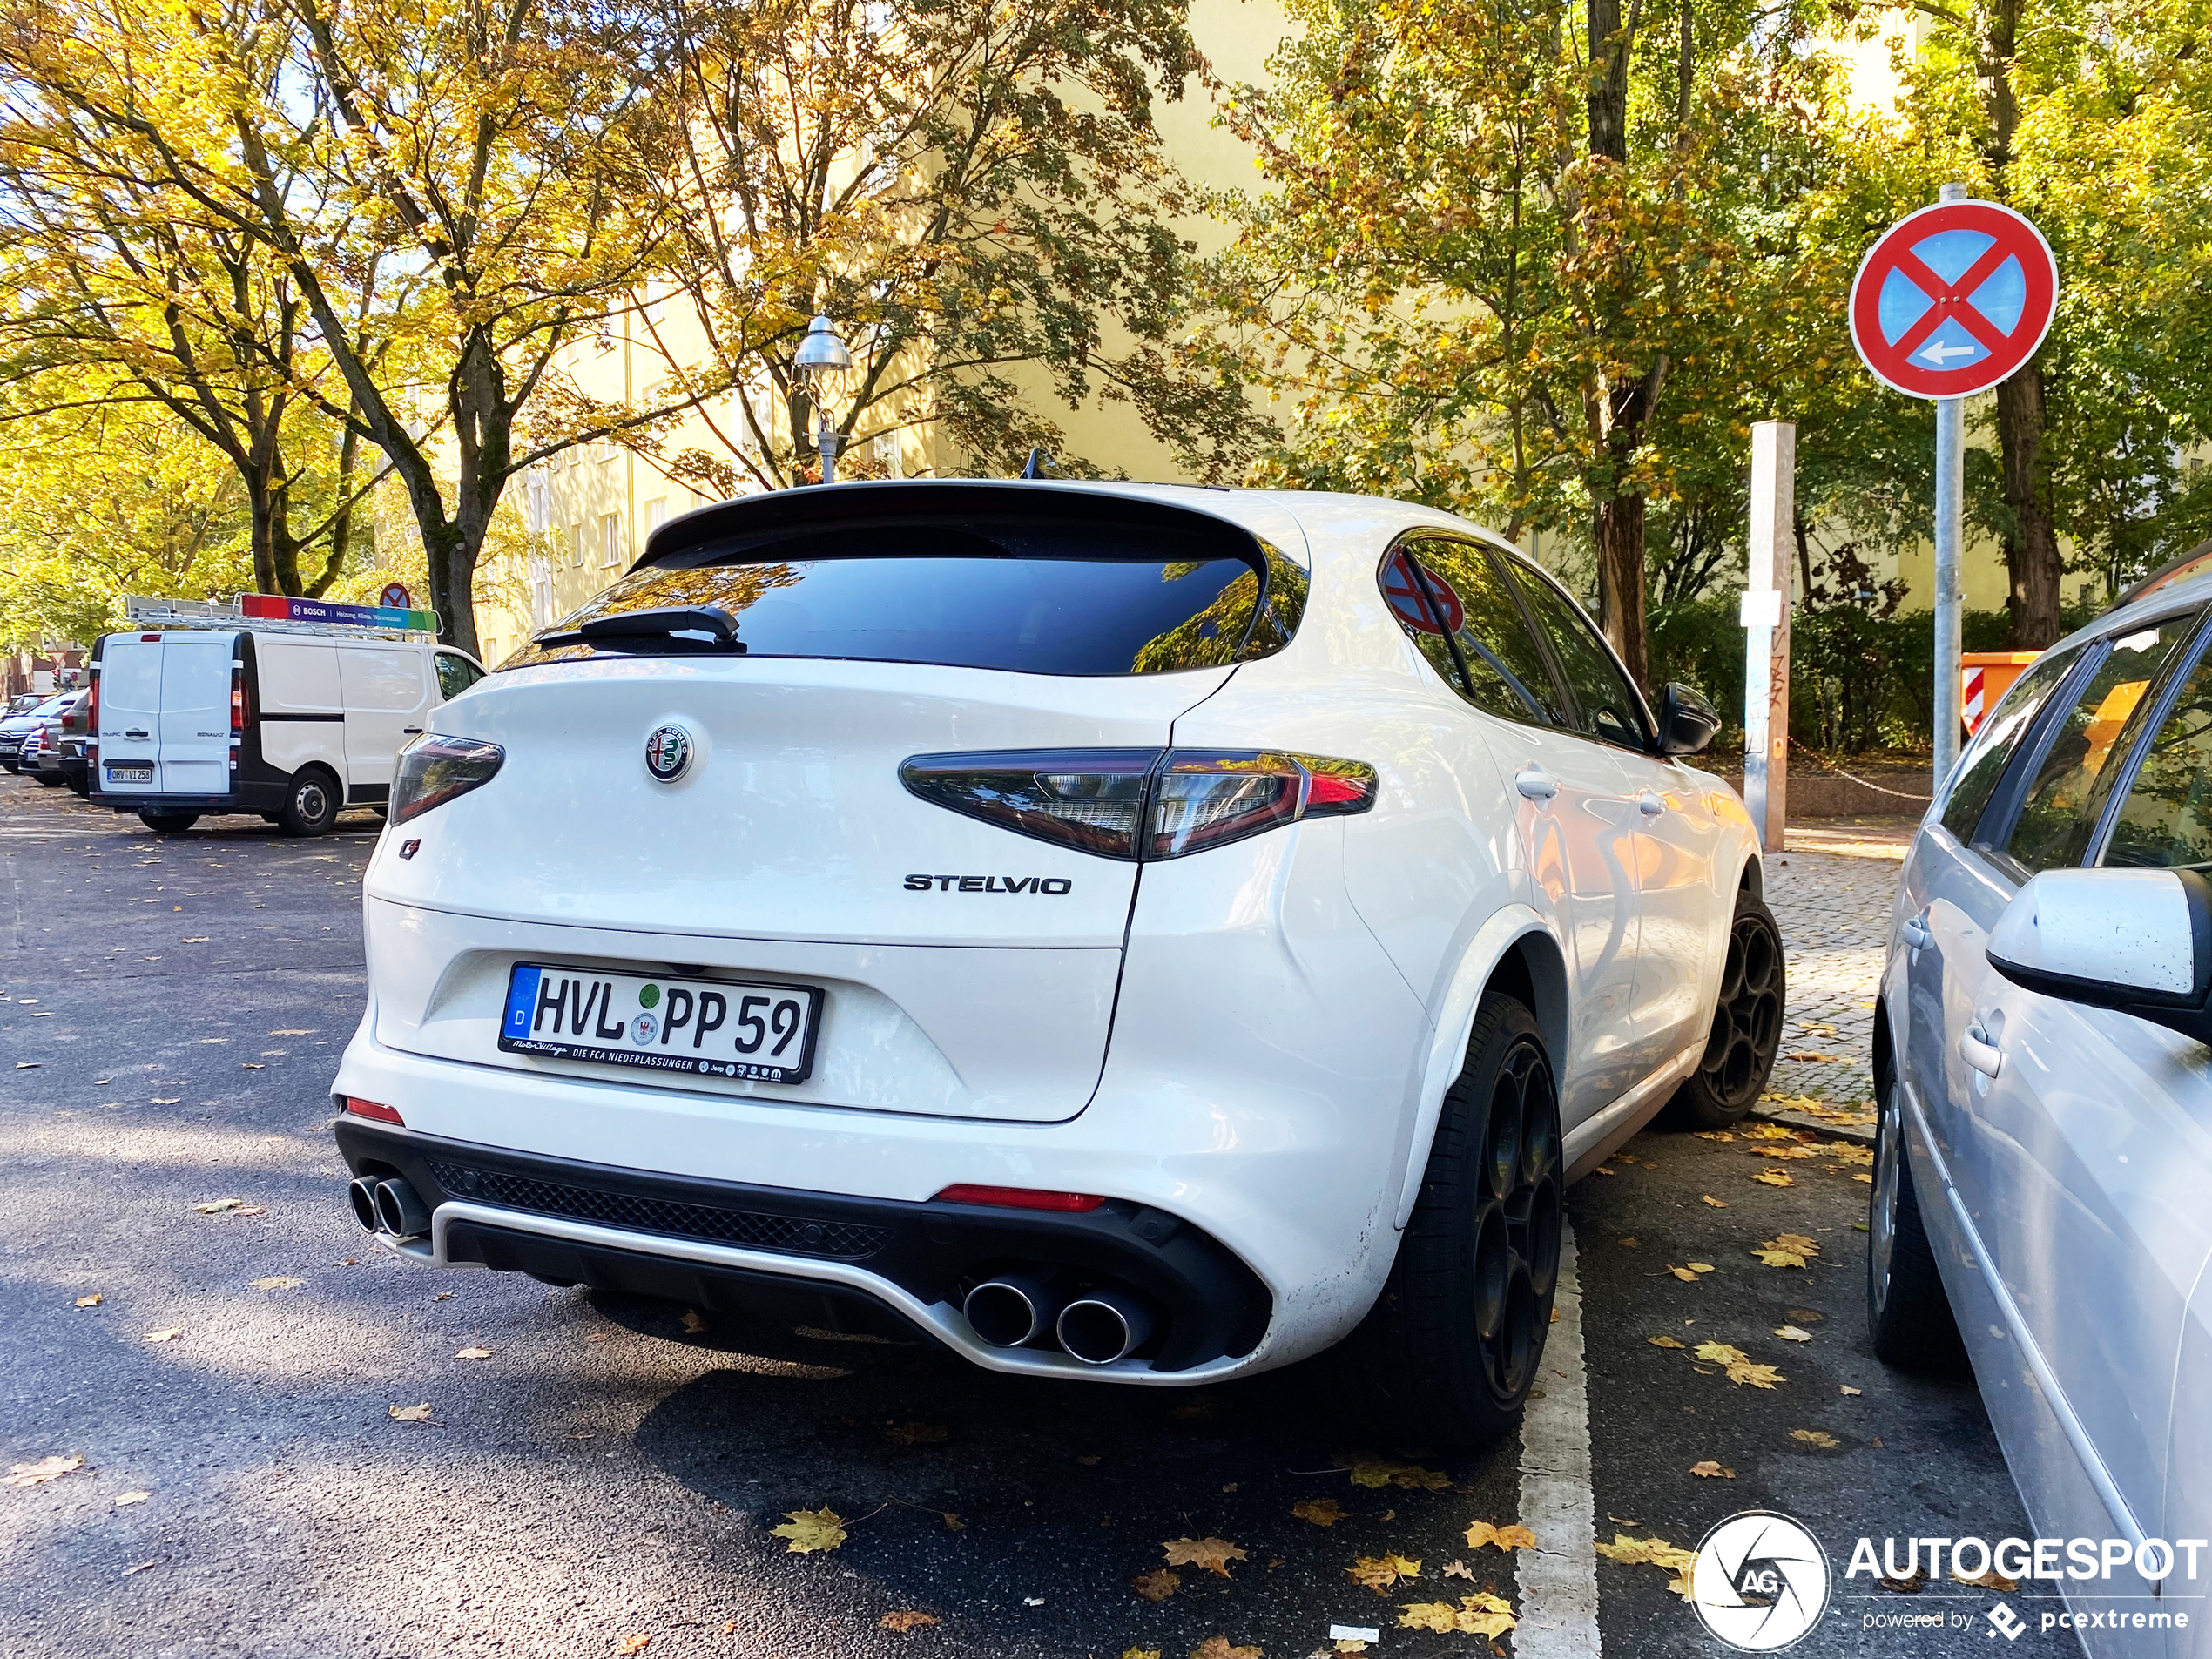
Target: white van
column 205, row 710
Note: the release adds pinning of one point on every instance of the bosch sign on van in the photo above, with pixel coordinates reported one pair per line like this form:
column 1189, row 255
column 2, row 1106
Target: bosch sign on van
column 288, row 708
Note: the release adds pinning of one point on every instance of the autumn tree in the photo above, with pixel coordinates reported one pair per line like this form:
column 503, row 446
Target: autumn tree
column 975, row 192
column 1507, row 254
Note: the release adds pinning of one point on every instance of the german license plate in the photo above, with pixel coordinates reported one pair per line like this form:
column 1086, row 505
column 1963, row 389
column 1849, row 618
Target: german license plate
column 130, row 774
column 705, row 1027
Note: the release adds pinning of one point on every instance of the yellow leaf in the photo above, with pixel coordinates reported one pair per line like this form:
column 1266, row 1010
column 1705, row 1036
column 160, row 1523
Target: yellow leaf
column 1815, row 1437
column 953, row 1523
column 1458, row 1570
column 1322, row 1512
column 1647, row 1552
column 276, row 1284
column 1212, row 1554
column 1664, row 1342
column 168, row 1335
column 216, row 1206
column 1774, row 1178
column 1847, row 1389
column 1220, row 1647
column 1786, row 1152
column 1780, row 1257
column 1718, row 1204
column 905, row 1619
column 1157, row 1585
column 636, row 1641
column 1758, row 1376
column 1140, row 1653
column 693, row 1324
column 92, row 1301
column 474, row 1353
column 1699, row 1267
column 1481, row 1614
column 808, row 1530
column 1712, row 1471
column 121, row 1498
column 1798, row 1241
column 1721, row 1353
column 1992, row 1579
column 1682, row 1273
column 1848, row 1152
column 1379, row 1573
column 1792, row 1333
column 1769, row 1132
column 1368, row 1470
column 49, row 1468
column 409, row 1414
column 1506, row 1538
column 1866, row 1178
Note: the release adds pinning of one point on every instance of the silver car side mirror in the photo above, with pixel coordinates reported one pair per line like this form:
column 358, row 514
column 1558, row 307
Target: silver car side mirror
column 2136, row 941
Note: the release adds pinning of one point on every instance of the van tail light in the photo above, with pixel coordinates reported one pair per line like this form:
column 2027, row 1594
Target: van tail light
column 238, row 699
column 93, row 709
column 1141, row 805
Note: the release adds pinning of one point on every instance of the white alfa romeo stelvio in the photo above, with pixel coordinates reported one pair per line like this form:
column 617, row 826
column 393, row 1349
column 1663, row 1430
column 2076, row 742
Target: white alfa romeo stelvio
column 1136, row 932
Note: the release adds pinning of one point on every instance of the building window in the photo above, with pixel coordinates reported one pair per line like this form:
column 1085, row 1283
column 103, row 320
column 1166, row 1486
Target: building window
column 609, row 540
column 655, row 514
column 576, row 545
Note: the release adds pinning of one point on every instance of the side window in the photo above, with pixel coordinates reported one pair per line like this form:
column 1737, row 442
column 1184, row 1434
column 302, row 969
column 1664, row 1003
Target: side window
column 1607, row 706
column 1505, row 675
column 2052, row 828
column 2166, row 820
column 455, row 674
column 1412, row 604
column 1991, row 750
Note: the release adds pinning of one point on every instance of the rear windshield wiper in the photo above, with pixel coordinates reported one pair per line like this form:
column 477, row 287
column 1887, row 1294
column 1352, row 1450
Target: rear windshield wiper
column 671, row 628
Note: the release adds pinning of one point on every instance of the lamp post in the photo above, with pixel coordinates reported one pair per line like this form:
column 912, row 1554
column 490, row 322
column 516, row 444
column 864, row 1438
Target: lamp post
column 822, row 356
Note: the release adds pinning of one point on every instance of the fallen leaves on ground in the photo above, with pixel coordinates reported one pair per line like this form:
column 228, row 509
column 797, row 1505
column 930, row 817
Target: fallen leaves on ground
column 1848, row 1152
column 92, row 1301
column 1712, row 1471
column 693, row 1324
column 1786, row 1152
column 474, row 1353
column 1815, row 1437
column 1689, row 1272
column 916, row 1434
column 1157, row 1585
column 1715, row 1133
column 1665, row 1342
column 1140, row 1653
column 1910, row 1585
column 1992, row 1579
column 1653, row 1552
column 1770, row 1131
column 1718, row 1204
column 49, row 1468
column 121, row 1498
column 409, row 1414
column 1812, row 1058
column 1700, row 1267
column 1212, row 1554
column 1322, row 1512
column 276, row 1284
column 1774, row 1178
column 808, row 1530
column 1479, row 1614
column 1866, row 1178
column 1506, row 1538
column 170, row 1334
column 636, row 1641
column 1379, row 1573
column 1369, row 1470
column 1220, row 1647
column 1792, row 1333
column 213, row 1206
column 1847, row 1391
column 1786, row 1250
column 953, row 1523
column 905, row 1618
column 1741, row 1367
column 1458, row 1570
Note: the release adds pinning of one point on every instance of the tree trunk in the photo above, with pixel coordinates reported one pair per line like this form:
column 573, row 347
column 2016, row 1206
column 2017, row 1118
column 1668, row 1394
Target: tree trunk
column 2031, row 560
column 1618, row 532
column 264, row 516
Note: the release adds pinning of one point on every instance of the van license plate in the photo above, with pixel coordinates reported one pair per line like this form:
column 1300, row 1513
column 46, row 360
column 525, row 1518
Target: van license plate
column 707, row 1027
column 130, row 774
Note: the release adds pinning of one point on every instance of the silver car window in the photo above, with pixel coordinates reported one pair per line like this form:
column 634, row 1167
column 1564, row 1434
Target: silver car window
column 2166, row 820
column 2051, row 826
column 1991, row 750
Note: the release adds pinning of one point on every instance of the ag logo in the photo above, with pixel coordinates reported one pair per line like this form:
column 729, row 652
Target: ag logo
column 1761, row 1581
column 668, row 751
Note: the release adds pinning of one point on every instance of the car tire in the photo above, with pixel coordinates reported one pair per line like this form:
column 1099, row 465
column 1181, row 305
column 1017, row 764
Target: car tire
column 1907, row 1311
column 169, row 823
column 1451, row 1348
column 1746, row 1032
column 310, row 804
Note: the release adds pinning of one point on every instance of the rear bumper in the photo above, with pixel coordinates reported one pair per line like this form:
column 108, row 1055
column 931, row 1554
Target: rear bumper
column 247, row 797
column 874, row 1265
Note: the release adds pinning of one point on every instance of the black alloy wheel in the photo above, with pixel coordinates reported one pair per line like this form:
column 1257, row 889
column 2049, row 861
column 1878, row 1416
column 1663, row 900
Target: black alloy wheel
column 1746, row 1032
column 1451, row 1348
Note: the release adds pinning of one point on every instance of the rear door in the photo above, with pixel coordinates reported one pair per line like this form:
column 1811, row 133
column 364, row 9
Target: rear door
column 195, row 721
column 130, row 713
column 385, row 694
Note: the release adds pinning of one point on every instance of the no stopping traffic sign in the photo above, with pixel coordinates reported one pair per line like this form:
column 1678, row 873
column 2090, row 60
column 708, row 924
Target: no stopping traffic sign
column 1953, row 299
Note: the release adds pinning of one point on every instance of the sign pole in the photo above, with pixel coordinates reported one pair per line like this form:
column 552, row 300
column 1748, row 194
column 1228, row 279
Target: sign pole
column 1766, row 621
column 1949, row 511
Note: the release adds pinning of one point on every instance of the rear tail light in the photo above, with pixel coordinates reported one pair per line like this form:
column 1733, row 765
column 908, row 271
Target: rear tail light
column 374, row 1109
column 1021, row 1198
column 434, row 770
column 238, row 697
column 1140, row 803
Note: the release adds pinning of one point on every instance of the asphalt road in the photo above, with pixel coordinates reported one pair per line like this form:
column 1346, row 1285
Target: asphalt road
column 603, row 1475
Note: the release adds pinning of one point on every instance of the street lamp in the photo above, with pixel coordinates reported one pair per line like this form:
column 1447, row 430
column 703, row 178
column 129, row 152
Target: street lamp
column 822, row 356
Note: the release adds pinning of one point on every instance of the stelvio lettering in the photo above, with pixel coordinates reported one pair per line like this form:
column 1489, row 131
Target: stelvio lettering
column 1051, row 884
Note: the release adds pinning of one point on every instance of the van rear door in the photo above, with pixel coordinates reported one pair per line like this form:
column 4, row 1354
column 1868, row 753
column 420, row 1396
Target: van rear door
column 130, row 713
column 195, row 724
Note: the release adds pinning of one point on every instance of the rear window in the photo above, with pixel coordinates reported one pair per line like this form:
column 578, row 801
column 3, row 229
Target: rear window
column 1031, row 597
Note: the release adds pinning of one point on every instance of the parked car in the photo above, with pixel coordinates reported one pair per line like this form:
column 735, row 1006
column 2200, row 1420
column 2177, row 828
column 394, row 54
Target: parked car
column 24, row 702
column 1135, row 933
column 288, row 721
column 18, row 727
column 73, row 739
column 48, row 768
column 2045, row 1137
column 27, row 756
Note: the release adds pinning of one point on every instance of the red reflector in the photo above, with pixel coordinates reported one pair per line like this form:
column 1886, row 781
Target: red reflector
column 1019, row 1198
column 371, row 1108
column 149, row 639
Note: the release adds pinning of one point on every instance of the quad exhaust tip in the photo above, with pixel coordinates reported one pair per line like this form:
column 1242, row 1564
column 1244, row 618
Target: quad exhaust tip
column 392, row 1206
column 1105, row 1326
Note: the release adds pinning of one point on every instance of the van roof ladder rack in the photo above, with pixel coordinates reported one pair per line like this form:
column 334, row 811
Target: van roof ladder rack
column 278, row 613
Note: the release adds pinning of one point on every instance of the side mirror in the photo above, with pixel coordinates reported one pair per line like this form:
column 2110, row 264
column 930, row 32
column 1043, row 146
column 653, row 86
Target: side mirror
column 1686, row 721
column 2136, row 941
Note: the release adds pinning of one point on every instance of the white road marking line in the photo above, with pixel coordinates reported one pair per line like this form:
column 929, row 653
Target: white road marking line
column 1557, row 1581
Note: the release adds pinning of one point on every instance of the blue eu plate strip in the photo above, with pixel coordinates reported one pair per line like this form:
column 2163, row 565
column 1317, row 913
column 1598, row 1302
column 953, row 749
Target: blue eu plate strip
column 521, row 1000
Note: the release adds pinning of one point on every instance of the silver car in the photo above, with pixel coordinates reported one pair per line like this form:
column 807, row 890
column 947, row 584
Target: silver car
column 2043, row 1200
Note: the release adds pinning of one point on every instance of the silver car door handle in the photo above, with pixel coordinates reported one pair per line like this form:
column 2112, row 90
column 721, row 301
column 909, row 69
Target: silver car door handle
column 1976, row 1049
column 1916, row 934
column 1649, row 805
column 1537, row 784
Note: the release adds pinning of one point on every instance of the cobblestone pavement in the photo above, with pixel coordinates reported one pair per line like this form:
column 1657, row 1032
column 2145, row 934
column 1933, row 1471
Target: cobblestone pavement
column 1831, row 893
